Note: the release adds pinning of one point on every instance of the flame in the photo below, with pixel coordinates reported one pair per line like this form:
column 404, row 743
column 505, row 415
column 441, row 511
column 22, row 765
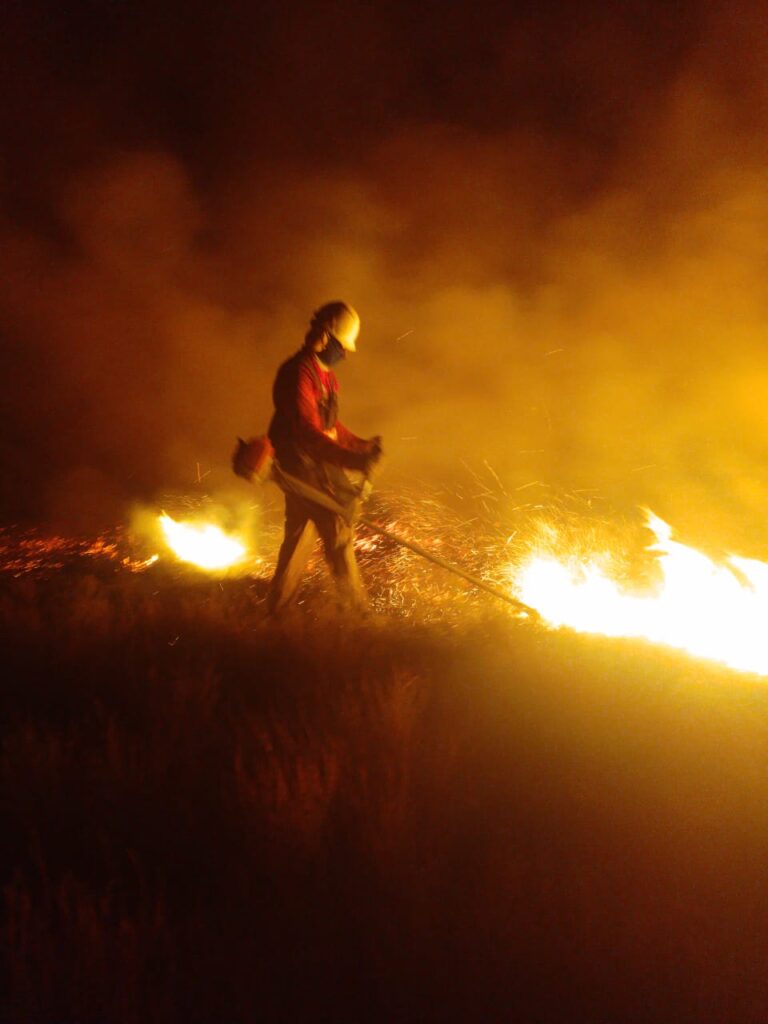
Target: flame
column 201, row 544
column 718, row 612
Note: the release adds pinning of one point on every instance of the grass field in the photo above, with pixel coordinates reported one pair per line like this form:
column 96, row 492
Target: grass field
column 416, row 818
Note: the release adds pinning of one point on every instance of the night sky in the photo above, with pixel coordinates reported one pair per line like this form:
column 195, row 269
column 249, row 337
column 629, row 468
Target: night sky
column 552, row 217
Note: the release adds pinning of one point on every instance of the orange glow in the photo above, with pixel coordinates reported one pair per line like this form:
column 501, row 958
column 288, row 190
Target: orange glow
column 202, row 544
column 139, row 564
column 713, row 611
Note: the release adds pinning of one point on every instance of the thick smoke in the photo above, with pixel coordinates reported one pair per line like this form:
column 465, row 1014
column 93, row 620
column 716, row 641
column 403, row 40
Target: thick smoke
column 555, row 232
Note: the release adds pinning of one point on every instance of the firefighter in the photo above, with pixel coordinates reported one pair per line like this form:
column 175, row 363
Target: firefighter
column 310, row 443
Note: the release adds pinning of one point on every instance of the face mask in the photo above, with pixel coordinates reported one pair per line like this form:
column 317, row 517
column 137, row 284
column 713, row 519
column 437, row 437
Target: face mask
column 332, row 353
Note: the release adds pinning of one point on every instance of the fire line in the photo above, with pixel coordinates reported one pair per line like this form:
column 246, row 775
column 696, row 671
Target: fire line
column 714, row 611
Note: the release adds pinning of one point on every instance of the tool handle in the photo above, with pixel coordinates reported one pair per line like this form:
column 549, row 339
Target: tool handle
column 291, row 483
column 476, row 581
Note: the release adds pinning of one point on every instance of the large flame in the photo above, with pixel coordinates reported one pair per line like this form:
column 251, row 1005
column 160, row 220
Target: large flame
column 719, row 612
column 202, row 544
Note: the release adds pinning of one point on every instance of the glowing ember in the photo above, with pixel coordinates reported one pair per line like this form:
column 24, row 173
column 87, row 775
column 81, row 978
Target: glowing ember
column 719, row 612
column 140, row 564
column 28, row 553
column 201, row 544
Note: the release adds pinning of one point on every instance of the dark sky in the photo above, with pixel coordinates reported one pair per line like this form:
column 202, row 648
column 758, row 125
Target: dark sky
column 559, row 209
column 218, row 84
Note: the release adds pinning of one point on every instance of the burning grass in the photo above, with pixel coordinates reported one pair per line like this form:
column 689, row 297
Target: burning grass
column 437, row 816
column 577, row 569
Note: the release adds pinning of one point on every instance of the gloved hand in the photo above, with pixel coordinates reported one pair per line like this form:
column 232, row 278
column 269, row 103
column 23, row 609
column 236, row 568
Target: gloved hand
column 373, row 453
column 373, row 447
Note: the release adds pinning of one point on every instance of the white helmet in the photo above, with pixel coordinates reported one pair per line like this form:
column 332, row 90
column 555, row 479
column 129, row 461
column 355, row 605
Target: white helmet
column 341, row 321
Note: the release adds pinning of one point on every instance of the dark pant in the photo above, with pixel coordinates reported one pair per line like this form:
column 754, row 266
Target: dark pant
column 304, row 522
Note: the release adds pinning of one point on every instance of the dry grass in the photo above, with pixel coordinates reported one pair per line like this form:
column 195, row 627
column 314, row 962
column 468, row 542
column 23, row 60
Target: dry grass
column 211, row 819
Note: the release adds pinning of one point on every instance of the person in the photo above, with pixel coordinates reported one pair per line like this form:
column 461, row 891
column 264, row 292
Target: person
column 312, row 445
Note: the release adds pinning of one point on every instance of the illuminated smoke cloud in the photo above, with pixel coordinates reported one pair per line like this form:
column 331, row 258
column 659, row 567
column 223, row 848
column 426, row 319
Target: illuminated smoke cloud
column 557, row 244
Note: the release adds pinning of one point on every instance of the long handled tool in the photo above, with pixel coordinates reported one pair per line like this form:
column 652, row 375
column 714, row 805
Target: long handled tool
column 351, row 513
column 254, row 460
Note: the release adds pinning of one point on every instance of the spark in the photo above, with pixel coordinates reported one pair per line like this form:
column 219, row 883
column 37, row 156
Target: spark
column 140, row 564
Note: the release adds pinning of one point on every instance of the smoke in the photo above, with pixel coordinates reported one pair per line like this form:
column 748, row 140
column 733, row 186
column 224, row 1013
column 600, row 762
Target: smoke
column 554, row 230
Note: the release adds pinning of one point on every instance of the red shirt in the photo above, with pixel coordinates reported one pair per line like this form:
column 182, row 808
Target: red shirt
column 306, row 396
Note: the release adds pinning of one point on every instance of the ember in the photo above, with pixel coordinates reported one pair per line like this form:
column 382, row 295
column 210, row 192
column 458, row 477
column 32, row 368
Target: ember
column 30, row 553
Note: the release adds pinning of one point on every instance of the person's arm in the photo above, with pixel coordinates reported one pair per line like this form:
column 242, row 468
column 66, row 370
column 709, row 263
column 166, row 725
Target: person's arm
column 341, row 452
column 351, row 441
